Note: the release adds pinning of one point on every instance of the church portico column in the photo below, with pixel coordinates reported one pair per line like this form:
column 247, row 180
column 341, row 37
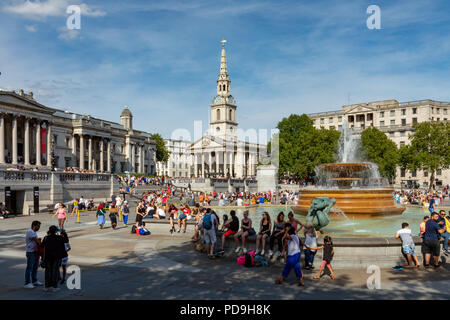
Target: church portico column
column 203, row 164
column 2, row 138
column 225, row 156
column 132, row 169
column 38, row 143
column 195, row 165
column 14, row 139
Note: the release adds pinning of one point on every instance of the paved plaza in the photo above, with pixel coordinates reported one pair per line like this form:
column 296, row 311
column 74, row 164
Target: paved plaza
column 116, row 264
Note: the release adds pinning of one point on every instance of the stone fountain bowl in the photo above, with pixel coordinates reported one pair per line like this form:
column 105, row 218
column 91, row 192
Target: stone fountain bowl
column 361, row 203
column 345, row 167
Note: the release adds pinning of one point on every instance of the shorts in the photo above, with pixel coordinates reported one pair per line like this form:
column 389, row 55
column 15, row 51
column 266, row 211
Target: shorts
column 181, row 216
column 210, row 236
column 251, row 232
column 64, row 261
column 431, row 247
column 229, row 233
column 409, row 249
column 75, row 206
column 325, row 263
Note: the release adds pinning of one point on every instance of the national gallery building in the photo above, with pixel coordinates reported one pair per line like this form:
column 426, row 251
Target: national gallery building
column 36, row 136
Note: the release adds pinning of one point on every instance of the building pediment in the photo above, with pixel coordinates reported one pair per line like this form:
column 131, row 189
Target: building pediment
column 14, row 102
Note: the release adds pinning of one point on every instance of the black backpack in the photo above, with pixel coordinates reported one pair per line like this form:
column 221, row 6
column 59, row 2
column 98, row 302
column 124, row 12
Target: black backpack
column 133, row 229
column 249, row 261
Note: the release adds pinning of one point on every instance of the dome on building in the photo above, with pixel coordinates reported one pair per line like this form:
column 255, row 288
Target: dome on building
column 126, row 113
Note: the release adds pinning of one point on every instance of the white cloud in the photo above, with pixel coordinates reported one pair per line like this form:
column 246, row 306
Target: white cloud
column 67, row 34
column 31, row 28
column 40, row 10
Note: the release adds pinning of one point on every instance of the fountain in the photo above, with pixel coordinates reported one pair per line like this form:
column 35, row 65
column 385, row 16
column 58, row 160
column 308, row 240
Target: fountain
column 356, row 186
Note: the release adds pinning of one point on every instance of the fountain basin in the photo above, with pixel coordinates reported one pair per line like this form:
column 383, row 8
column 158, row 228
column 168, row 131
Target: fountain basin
column 355, row 202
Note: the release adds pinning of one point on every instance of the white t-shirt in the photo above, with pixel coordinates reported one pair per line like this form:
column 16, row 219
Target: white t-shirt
column 239, row 202
column 293, row 245
column 311, row 242
column 161, row 212
column 28, row 239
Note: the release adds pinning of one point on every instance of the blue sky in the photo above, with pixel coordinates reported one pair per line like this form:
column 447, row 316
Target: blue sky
column 161, row 58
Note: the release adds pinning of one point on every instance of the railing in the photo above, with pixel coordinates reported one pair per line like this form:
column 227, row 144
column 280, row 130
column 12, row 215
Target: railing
column 40, row 176
column 46, row 175
column 12, row 175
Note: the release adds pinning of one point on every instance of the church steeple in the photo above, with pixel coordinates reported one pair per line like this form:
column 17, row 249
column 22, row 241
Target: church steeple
column 223, row 81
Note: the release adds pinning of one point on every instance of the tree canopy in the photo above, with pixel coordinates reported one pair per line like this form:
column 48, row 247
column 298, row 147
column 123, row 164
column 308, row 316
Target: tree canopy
column 429, row 149
column 162, row 154
column 302, row 147
column 376, row 147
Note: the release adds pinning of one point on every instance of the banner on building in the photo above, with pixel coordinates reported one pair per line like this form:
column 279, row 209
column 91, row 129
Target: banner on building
column 43, row 140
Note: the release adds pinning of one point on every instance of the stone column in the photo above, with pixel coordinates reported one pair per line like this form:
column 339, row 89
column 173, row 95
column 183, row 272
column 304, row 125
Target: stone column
column 195, row 165
column 109, row 156
column 38, row 143
column 141, row 159
column 203, row 164
column 27, row 142
column 14, row 139
column 81, row 152
column 102, row 165
column 49, row 145
column 239, row 166
column 133, row 161
column 2, row 138
column 90, row 166
column 210, row 162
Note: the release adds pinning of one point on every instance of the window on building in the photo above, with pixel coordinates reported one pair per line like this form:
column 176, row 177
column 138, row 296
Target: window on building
column 403, row 112
column 392, row 113
column 439, row 172
column 339, row 127
column 402, row 143
column 414, row 120
column 392, row 122
column 391, row 134
column 382, row 114
column 438, row 110
column 402, row 173
column 67, row 141
column 414, row 173
column 322, row 120
column 403, row 122
column 382, row 123
column 218, row 114
column 402, row 133
column 330, row 120
column 340, row 119
column 445, row 111
column 425, row 173
column 414, row 110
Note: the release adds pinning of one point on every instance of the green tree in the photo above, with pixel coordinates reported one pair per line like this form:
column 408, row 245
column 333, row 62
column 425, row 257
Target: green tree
column 302, row 147
column 162, row 154
column 376, row 147
column 429, row 149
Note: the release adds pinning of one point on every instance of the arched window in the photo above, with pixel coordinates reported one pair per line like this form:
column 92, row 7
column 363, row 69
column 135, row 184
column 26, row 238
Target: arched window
column 231, row 114
column 218, row 114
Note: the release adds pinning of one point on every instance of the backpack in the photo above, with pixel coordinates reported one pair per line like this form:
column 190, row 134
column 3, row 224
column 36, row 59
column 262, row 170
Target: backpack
column 133, row 229
column 249, row 261
column 207, row 222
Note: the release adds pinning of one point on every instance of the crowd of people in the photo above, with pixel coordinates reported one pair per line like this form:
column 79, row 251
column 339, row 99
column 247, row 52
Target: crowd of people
column 422, row 197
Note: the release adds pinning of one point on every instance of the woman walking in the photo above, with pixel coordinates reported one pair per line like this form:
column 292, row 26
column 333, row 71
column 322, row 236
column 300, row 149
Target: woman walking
column 264, row 233
column 113, row 211
column 62, row 215
column 101, row 215
column 54, row 251
column 172, row 212
column 293, row 256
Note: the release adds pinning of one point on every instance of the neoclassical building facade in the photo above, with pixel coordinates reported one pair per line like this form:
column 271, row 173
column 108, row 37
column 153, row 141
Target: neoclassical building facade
column 396, row 119
column 37, row 136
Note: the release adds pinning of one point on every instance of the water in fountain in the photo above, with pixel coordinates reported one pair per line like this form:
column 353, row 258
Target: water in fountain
column 349, row 145
column 339, row 211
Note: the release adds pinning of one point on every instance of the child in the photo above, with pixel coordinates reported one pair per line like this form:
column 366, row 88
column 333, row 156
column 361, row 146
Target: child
column 328, row 253
column 65, row 259
column 293, row 256
column 408, row 246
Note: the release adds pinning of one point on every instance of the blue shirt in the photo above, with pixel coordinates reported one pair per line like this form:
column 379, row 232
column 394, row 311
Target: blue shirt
column 431, row 203
column 431, row 230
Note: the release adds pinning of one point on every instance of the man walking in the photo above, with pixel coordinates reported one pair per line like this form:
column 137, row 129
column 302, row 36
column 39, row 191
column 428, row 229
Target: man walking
column 210, row 225
column 32, row 253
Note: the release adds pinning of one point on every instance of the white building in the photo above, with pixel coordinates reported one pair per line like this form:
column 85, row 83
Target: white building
column 33, row 135
column 394, row 118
